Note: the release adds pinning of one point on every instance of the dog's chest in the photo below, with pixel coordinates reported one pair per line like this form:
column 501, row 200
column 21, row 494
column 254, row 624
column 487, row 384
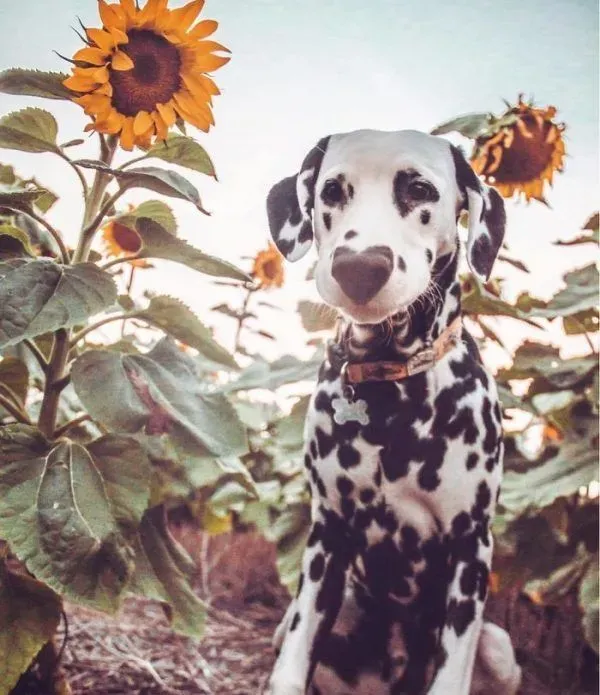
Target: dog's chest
column 413, row 451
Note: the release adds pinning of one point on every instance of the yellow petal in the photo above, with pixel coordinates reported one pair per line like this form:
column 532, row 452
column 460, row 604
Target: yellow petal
column 89, row 54
column 128, row 7
column 194, row 85
column 167, row 113
column 203, row 29
column 151, row 10
column 127, row 137
column 80, row 83
column 142, row 122
column 101, row 74
column 208, row 63
column 111, row 15
column 183, row 17
column 161, row 127
column 121, row 61
column 119, row 36
column 210, row 86
column 101, row 38
column 210, row 47
column 105, row 89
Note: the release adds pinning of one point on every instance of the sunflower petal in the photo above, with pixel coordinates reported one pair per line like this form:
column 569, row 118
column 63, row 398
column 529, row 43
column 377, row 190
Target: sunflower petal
column 127, row 137
column 80, row 83
column 105, row 89
column 208, row 63
column 111, row 15
column 101, row 74
column 203, row 29
column 121, row 61
column 194, row 85
column 210, row 47
column 142, row 122
column 182, row 18
column 167, row 113
column 162, row 129
column 92, row 55
column 101, row 38
column 119, row 36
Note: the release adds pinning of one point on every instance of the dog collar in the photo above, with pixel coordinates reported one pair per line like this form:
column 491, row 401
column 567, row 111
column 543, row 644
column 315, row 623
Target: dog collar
column 357, row 372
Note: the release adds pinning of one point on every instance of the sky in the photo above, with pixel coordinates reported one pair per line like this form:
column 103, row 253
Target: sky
column 302, row 70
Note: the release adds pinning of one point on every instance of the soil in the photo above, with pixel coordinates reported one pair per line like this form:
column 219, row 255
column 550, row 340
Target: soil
column 138, row 654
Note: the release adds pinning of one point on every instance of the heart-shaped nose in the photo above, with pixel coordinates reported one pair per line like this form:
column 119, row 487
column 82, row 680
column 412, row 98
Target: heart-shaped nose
column 361, row 275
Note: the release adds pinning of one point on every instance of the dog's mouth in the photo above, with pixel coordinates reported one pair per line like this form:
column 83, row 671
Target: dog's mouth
column 369, row 314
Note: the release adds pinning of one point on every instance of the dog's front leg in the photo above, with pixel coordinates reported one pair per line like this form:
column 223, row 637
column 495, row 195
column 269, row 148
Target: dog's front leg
column 464, row 618
column 316, row 605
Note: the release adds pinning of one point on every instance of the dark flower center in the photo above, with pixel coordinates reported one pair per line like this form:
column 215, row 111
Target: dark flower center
column 271, row 269
column 126, row 238
column 153, row 79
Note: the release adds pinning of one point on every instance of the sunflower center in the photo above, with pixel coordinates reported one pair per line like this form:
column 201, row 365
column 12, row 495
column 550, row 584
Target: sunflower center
column 527, row 157
column 270, row 269
column 154, row 78
column 126, row 238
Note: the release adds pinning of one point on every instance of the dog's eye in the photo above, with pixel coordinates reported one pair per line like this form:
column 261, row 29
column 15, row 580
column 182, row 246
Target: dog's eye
column 420, row 190
column 332, row 192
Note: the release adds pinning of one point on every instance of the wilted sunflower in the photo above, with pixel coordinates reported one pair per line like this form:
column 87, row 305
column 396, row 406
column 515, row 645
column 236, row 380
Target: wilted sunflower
column 267, row 269
column 120, row 240
column 145, row 69
column 521, row 151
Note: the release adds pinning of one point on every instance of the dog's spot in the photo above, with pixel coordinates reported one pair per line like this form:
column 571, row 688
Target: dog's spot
column 344, row 485
column 460, row 615
column 350, row 234
column 333, row 193
column 367, row 495
column 401, row 264
column 350, row 191
column 348, row 507
column 316, row 534
column 300, row 583
column 472, row 460
column 348, row 456
column 425, row 216
column 491, row 434
column 327, row 220
column 308, row 461
column 429, row 255
column 411, row 191
column 461, row 524
column 325, row 442
column 321, row 488
column 482, row 501
column 313, row 449
column 295, row 621
column 317, row 567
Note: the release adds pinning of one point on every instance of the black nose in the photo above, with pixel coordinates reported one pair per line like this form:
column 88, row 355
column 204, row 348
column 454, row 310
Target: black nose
column 362, row 275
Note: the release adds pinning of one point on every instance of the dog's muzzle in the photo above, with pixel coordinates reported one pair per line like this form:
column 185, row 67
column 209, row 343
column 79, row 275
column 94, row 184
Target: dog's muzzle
column 361, row 275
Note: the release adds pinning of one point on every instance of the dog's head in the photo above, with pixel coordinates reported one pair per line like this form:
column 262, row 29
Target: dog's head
column 382, row 207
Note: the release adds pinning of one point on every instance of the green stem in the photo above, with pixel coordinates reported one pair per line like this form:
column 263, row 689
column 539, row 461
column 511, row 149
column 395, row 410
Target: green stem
column 116, row 261
column 109, row 319
column 241, row 319
column 53, row 232
column 37, row 353
column 12, row 409
column 135, row 160
column 72, row 423
column 91, row 228
column 55, row 382
column 77, row 170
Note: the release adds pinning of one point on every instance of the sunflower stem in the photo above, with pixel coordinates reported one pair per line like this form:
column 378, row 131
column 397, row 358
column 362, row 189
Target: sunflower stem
column 109, row 319
column 97, row 221
column 135, row 160
column 37, row 353
column 77, row 170
column 12, row 409
column 122, row 259
column 242, row 317
column 72, row 423
column 53, row 233
column 55, row 382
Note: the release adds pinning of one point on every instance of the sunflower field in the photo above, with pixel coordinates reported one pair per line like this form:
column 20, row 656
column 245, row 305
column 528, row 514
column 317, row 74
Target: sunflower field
column 121, row 415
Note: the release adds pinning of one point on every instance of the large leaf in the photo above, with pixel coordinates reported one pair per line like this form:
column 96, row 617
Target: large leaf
column 162, row 181
column 29, row 616
column 157, row 242
column 162, row 571
column 29, row 130
column 185, row 151
column 60, row 515
column 160, row 392
column 471, row 125
column 477, row 299
column 40, row 296
column 155, row 210
column 34, row 83
column 180, row 322
column 588, row 600
column 19, row 196
column 290, row 429
column 15, row 375
column 14, row 242
column 271, row 375
column 587, row 321
column 560, row 471
column 316, row 317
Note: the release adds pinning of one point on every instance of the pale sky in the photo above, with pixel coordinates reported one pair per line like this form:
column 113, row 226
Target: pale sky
column 302, row 70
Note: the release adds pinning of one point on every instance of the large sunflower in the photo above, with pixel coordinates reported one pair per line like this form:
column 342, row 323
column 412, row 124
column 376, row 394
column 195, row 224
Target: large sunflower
column 145, row 69
column 521, row 151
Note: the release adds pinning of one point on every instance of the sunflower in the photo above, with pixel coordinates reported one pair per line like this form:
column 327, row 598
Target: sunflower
column 145, row 69
column 521, row 151
column 121, row 240
column 267, row 269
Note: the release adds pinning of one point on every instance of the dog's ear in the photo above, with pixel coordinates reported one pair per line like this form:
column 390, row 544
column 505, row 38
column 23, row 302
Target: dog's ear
column 487, row 218
column 290, row 205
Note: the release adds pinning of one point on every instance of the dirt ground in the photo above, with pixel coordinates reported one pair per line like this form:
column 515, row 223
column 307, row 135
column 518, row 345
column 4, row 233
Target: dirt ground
column 137, row 654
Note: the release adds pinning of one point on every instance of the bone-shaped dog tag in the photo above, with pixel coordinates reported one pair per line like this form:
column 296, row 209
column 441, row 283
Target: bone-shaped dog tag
column 349, row 411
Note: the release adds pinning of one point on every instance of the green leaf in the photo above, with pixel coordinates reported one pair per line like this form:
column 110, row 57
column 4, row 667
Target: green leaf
column 162, row 181
column 290, row 429
column 476, row 299
column 159, row 243
column 40, row 296
column 513, row 261
column 18, row 197
column 155, row 210
column 271, row 375
column 580, row 294
column 160, row 392
column 30, row 613
column 14, row 242
column 471, row 125
column 34, row 83
column 29, row 130
column 14, row 374
column 162, row 571
column 583, row 322
column 57, row 517
column 588, row 600
column 290, row 532
column 179, row 321
column 316, row 316
column 184, row 151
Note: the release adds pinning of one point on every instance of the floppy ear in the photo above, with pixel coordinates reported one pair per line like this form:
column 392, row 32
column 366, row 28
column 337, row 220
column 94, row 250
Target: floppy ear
column 290, row 205
column 487, row 218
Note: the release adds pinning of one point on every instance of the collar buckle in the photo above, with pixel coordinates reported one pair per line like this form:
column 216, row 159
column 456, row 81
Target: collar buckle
column 420, row 361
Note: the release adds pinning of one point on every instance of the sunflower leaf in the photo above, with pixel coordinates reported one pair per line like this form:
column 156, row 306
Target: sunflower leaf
column 29, row 130
column 158, row 243
column 14, row 242
column 18, row 197
column 471, row 125
column 40, row 296
column 316, row 316
column 184, row 151
column 155, row 210
column 15, row 375
column 34, row 83
column 179, row 321
column 60, row 512
column 30, row 615
column 162, row 392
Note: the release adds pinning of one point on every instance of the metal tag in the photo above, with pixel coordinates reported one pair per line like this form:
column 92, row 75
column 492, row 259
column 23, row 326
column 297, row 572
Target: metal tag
column 421, row 361
column 349, row 411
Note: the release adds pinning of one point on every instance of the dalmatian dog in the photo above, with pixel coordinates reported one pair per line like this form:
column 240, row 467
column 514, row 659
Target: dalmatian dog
column 403, row 434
